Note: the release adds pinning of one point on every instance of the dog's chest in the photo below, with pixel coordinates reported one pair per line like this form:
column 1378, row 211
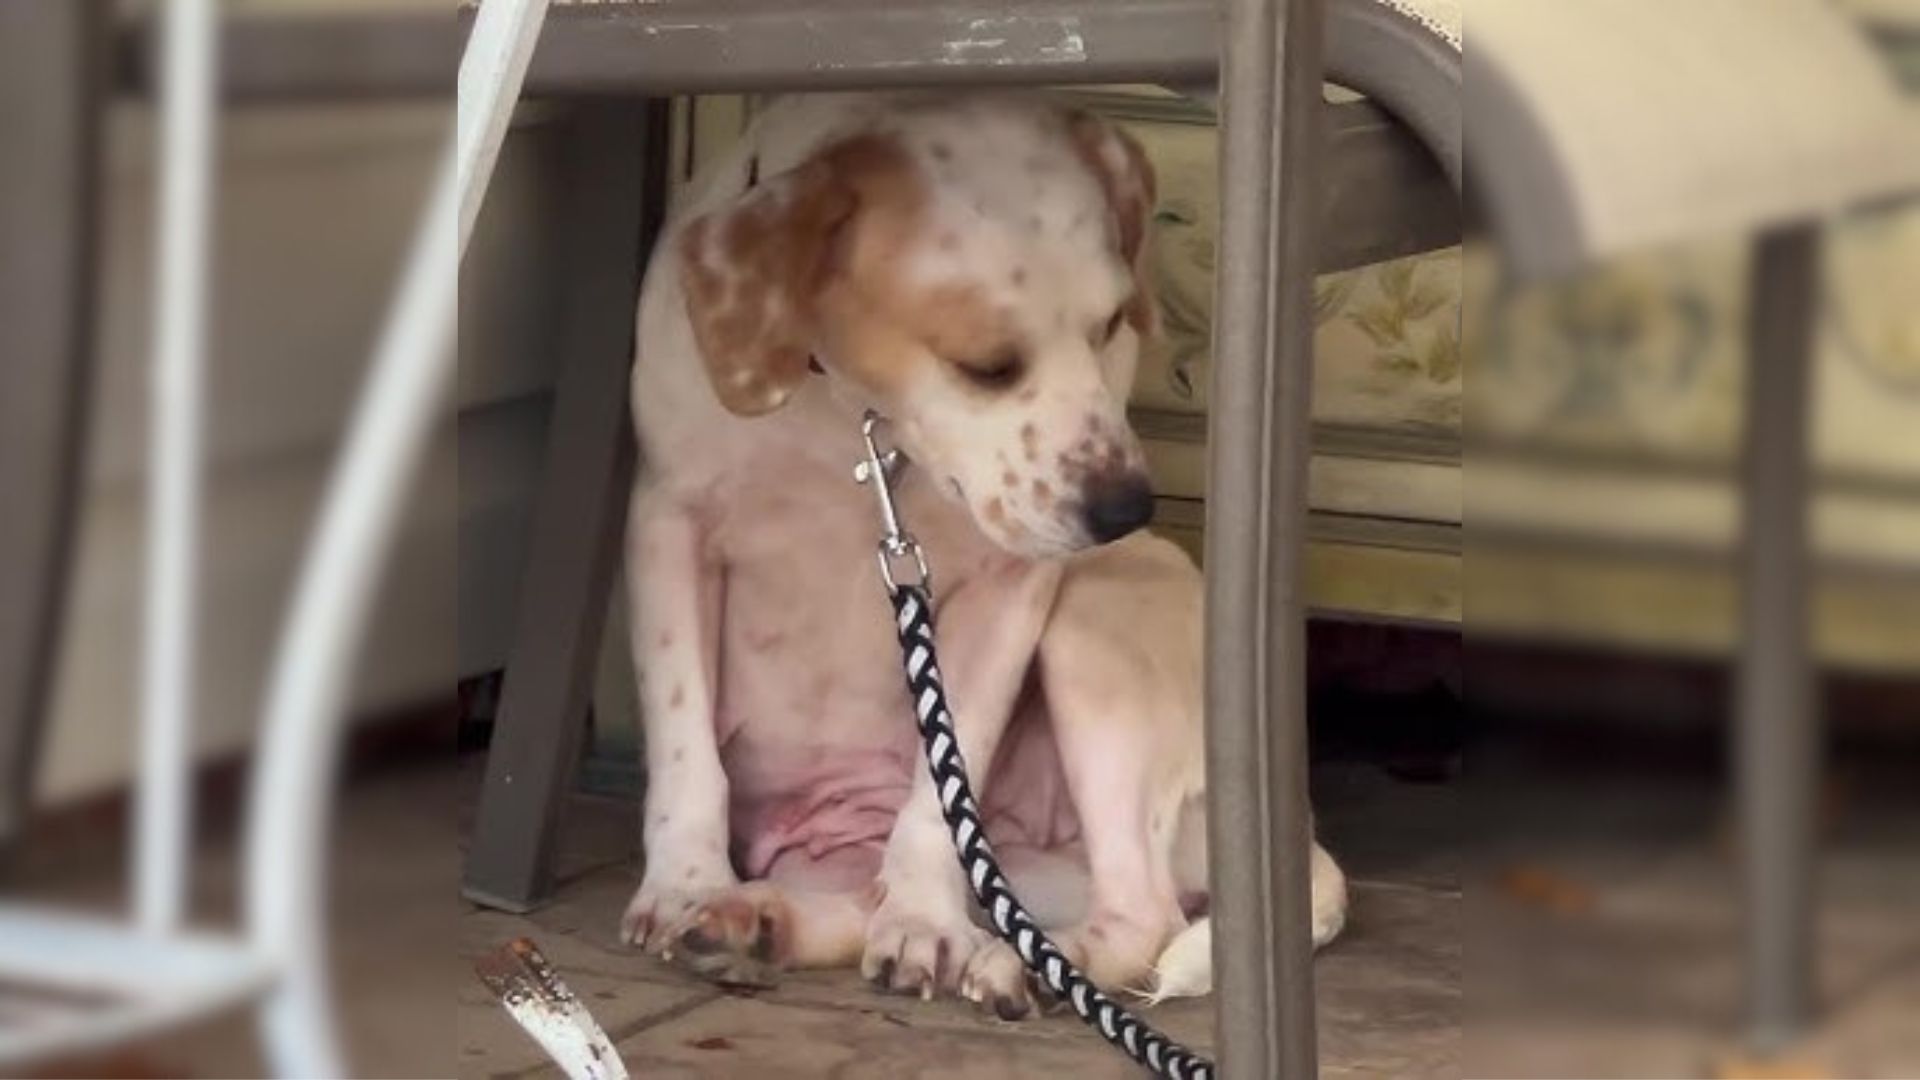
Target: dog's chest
column 807, row 649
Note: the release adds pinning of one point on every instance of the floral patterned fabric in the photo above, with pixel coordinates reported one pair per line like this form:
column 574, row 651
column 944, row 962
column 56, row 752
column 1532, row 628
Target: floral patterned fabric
column 1643, row 356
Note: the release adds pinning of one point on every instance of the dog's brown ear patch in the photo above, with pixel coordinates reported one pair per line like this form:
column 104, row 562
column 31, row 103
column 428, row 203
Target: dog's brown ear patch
column 1126, row 178
column 754, row 269
column 748, row 270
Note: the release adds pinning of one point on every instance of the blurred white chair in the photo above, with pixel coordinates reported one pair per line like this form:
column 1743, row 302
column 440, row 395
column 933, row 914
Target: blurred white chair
column 79, row 983
column 1600, row 128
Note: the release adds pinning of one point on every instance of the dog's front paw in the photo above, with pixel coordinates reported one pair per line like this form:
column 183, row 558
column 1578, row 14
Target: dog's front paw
column 667, row 898
column 916, row 949
column 997, row 981
column 737, row 936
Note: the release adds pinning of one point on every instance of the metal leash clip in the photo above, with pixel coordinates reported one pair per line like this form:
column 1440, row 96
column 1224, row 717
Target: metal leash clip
column 879, row 469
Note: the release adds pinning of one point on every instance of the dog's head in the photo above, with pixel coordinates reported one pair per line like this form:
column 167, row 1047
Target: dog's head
column 974, row 270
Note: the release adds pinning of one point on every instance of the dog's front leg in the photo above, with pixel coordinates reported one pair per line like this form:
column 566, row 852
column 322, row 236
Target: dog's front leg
column 922, row 935
column 676, row 593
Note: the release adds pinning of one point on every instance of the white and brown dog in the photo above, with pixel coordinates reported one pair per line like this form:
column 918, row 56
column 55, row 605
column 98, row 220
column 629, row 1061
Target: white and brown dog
column 973, row 268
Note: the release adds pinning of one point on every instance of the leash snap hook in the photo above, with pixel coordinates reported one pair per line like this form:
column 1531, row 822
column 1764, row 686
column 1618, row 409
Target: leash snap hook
column 878, row 469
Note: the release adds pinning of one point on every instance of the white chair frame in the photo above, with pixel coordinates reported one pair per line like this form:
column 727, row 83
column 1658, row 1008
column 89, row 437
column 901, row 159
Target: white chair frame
column 143, row 976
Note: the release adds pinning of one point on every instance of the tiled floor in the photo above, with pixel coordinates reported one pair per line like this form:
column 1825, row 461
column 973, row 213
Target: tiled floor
column 1596, row 936
column 1389, row 989
column 1606, row 939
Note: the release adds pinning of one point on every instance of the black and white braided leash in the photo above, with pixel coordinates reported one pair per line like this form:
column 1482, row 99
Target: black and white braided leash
column 913, row 618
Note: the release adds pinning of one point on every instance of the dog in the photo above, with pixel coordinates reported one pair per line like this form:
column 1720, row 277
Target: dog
column 974, row 268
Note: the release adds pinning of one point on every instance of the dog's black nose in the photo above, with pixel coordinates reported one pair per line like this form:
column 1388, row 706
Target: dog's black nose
column 1116, row 504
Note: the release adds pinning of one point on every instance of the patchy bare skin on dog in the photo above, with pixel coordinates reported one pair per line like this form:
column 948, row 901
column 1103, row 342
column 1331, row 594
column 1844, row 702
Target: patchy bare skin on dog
column 974, row 268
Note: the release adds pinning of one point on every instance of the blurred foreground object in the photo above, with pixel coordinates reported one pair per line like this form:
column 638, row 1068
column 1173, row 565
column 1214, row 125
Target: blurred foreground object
column 1599, row 129
column 542, row 1003
column 74, row 983
column 1609, row 127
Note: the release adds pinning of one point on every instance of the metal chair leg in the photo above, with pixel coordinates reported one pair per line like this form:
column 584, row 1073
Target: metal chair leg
column 616, row 181
column 1777, row 742
column 53, row 74
column 1256, row 509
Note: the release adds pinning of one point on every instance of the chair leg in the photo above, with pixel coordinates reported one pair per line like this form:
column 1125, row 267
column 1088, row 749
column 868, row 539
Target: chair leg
column 1777, row 752
column 614, row 179
column 53, row 76
column 1256, row 510
column 297, row 1027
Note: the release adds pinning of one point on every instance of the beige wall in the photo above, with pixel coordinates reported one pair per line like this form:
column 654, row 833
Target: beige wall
column 315, row 207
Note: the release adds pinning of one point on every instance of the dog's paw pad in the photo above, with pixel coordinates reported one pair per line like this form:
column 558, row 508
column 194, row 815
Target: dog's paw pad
column 740, row 936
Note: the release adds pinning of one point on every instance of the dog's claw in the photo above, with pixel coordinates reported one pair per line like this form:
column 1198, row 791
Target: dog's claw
column 1011, row 1008
column 995, row 981
column 658, row 910
column 699, row 942
column 637, row 925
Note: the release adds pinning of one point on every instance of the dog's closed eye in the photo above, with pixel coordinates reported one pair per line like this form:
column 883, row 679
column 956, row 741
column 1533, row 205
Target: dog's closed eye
column 1104, row 334
column 997, row 371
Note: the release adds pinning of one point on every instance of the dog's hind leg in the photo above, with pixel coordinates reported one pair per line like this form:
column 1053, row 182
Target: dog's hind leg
column 1122, row 756
column 1119, row 669
column 1185, row 967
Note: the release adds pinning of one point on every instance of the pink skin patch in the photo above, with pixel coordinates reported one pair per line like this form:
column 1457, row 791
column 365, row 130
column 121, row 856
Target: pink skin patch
column 812, row 800
column 809, row 802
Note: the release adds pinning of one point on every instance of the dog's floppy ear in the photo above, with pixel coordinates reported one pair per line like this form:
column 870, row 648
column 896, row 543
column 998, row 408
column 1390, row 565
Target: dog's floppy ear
column 1126, row 178
column 751, row 271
